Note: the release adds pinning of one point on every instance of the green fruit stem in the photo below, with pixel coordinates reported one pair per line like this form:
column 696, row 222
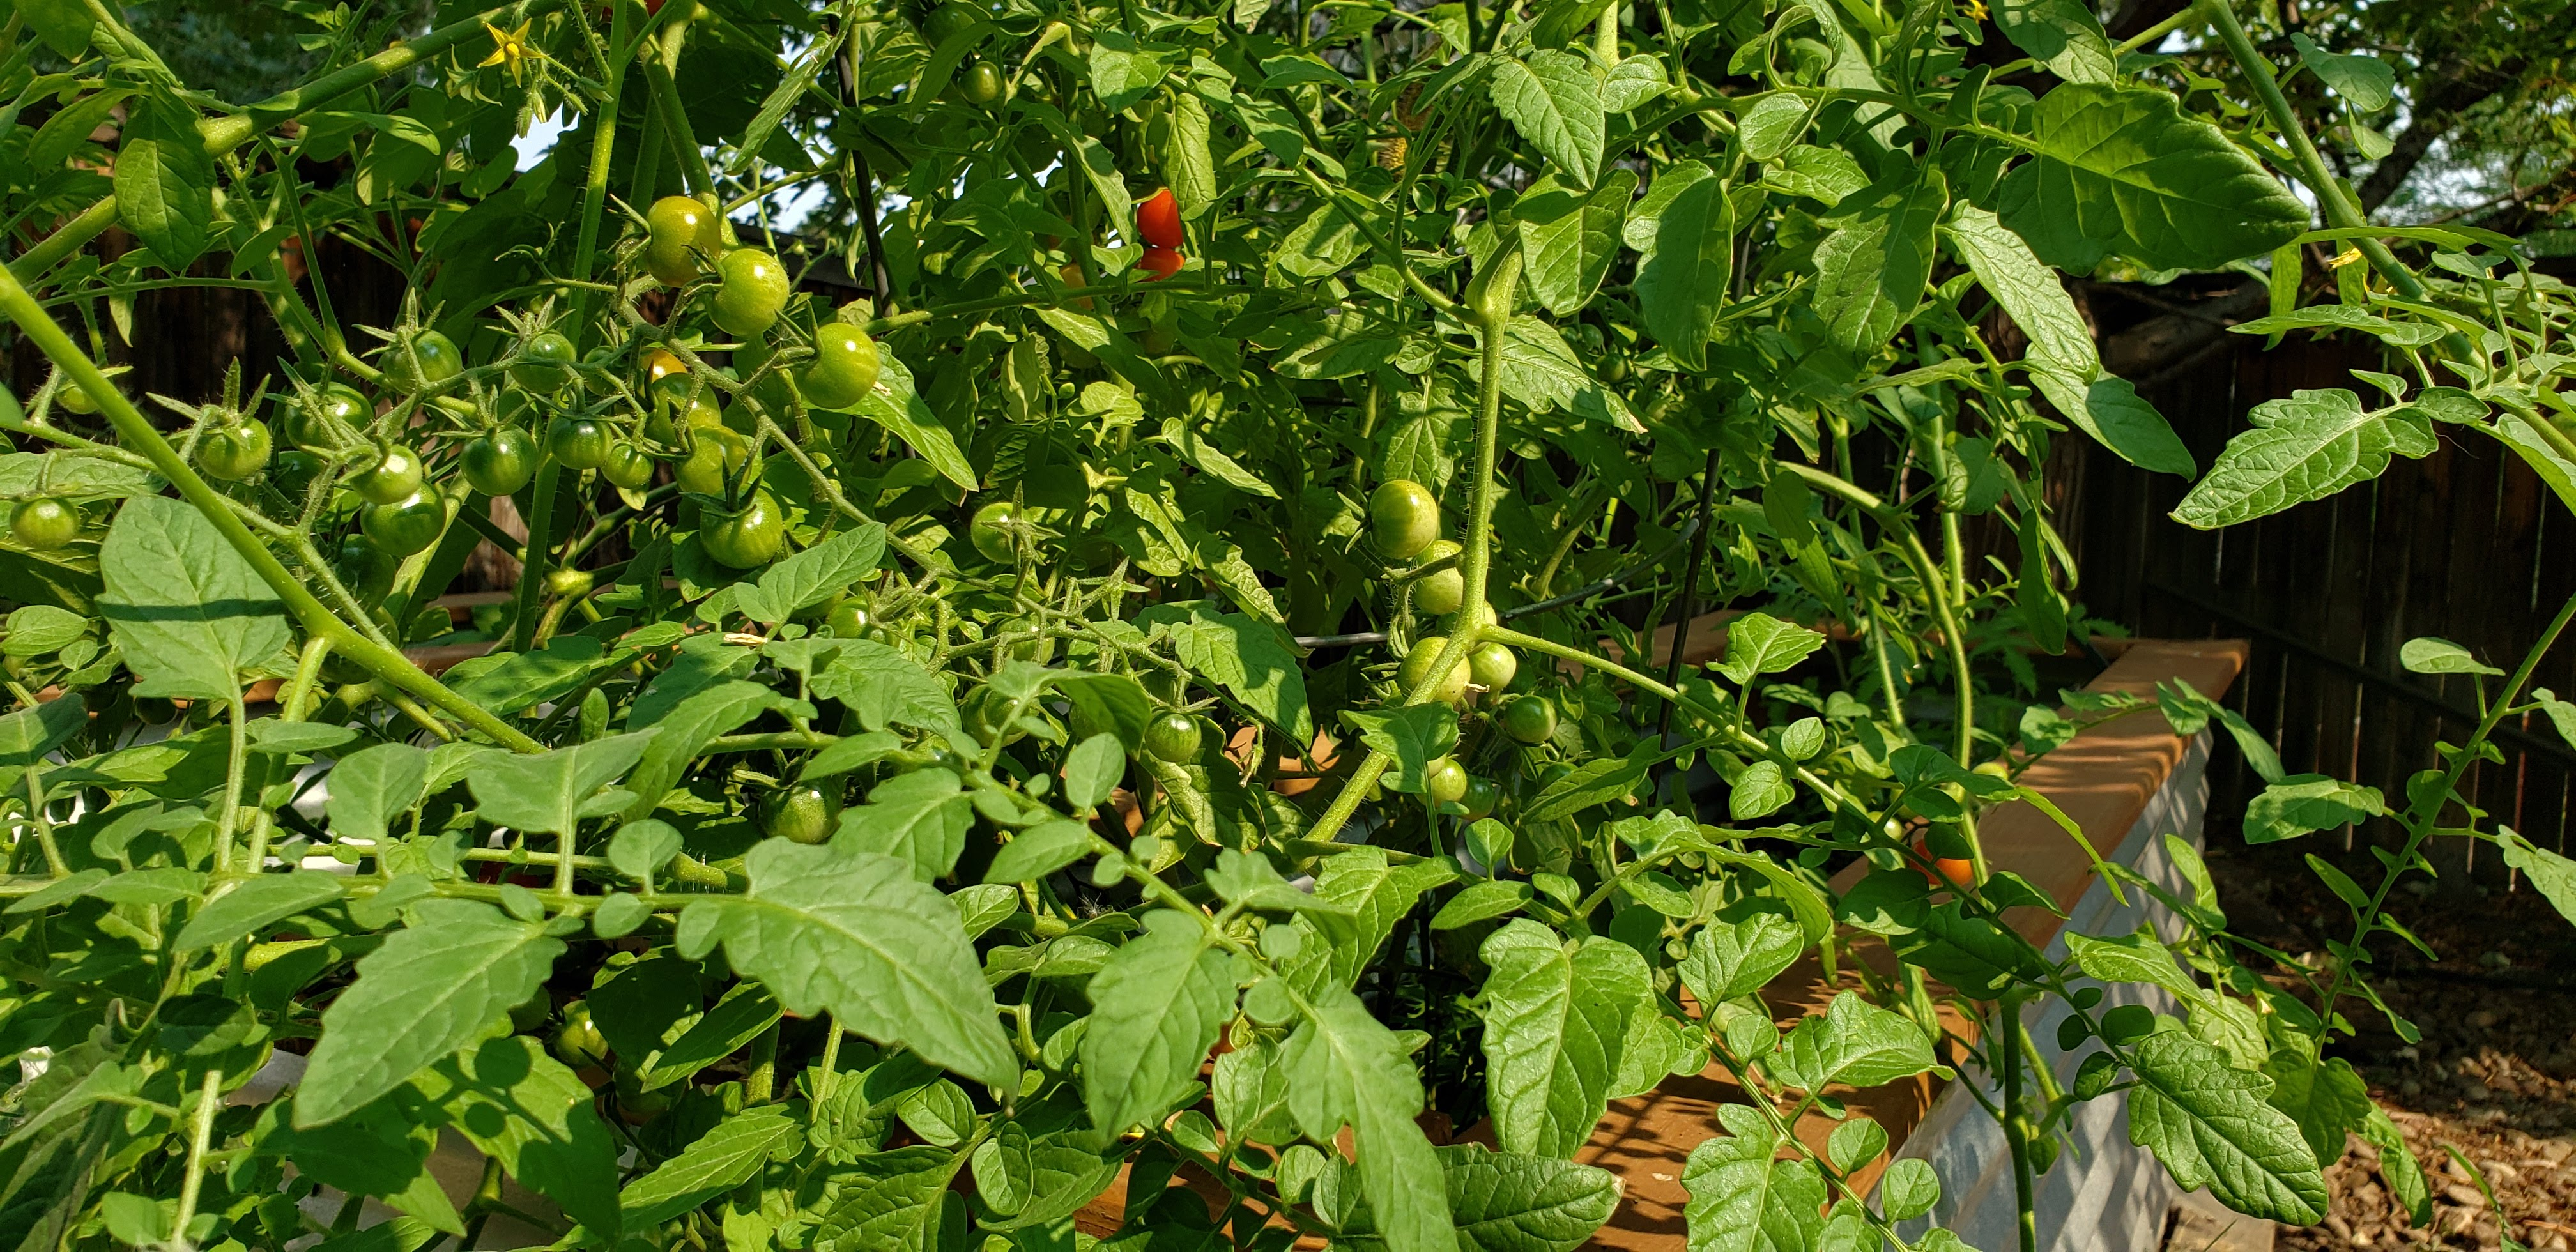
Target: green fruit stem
column 388, row 664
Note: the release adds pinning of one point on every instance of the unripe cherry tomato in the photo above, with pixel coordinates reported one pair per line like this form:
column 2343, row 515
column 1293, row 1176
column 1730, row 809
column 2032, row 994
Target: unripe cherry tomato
column 294, row 472
column 800, row 813
column 578, row 442
column 545, row 363
column 1443, row 592
column 1404, row 517
column 1417, row 668
column 748, row 537
column 716, row 454
column 235, row 450
column 1445, row 781
column 1492, row 666
column 45, row 523
column 577, row 1042
column 364, row 569
column 755, row 288
column 679, row 229
column 1529, row 719
column 339, row 404
column 569, row 583
column 981, row 83
column 1160, row 263
column 1173, row 738
column 626, row 465
column 844, row 368
column 501, row 462
column 423, row 361
column 664, row 371
column 405, row 526
column 393, row 477
column 946, row 22
column 1158, row 221
column 75, row 400
column 991, row 531
column 1482, row 795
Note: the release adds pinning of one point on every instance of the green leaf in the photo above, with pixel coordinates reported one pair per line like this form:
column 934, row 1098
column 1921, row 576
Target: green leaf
column 681, row 734
column 1554, row 101
column 1346, row 1069
column 2029, row 291
column 549, row 791
column 1758, row 643
column 2304, row 803
column 529, row 1111
column 1826, row 175
column 812, row 576
column 1759, row 791
column 859, row 935
column 1039, row 851
column 2554, row 876
column 1855, row 1143
column 2428, row 655
column 1482, row 902
column 1689, row 258
column 1568, row 239
column 896, row 406
column 890, row 1202
column 255, row 904
column 28, row 734
column 372, row 786
column 2344, row 317
column 434, row 987
column 883, row 687
column 1773, row 123
column 2137, row 957
column 1124, row 71
column 2304, row 448
column 1597, row 781
column 1730, row 959
column 2364, row 81
column 165, row 182
column 508, row 682
column 1516, row 1202
column 1371, row 896
column 1908, row 1189
column 2397, row 1165
column 2211, row 1126
column 2110, row 409
column 1324, row 244
column 1092, row 770
column 920, row 818
column 1743, row 1201
column 1556, row 1015
column 1188, row 167
column 1855, row 1043
column 2122, row 170
column 188, row 612
column 2063, row 35
column 717, row 1162
column 1256, row 663
column 2326, row 1098
column 1156, row 1009
column 1415, row 735
column 1871, row 271
column 738, row 1018
column 64, row 25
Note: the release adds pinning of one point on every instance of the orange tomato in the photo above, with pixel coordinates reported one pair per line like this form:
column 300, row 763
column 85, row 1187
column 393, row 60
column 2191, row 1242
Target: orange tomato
column 1158, row 221
column 1160, row 263
column 1954, row 871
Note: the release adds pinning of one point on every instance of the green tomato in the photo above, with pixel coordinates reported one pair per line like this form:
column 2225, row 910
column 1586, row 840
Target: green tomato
column 578, row 442
column 501, row 462
column 1492, row 666
column 1173, row 738
column 426, row 360
column 45, row 523
column 1417, row 669
column 569, row 583
column 627, row 466
column 577, row 1042
column 991, row 531
column 844, row 368
column 545, row 363
column 340, row 408
column 1404, row 517
column 1530, row 719
column 946, row 22
column 715, row 455
column 75, row 400
column 1440, row 594
column 235, row 451
column 405, row 526
column 294, row 472
column 748, row 537
column 754, row 290
column 395, row 477
column 1445, row 781
column 364, row 569
column 846, row 620
column 680, row 229
column 636, row 1106
column 800, row 813
column 981, row 84
column 1482, row 795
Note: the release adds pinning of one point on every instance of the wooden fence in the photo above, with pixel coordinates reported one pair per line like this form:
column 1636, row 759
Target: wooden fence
column 2465, row 544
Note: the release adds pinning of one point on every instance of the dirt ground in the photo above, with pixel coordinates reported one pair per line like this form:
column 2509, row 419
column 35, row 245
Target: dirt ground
column 2495, row 1074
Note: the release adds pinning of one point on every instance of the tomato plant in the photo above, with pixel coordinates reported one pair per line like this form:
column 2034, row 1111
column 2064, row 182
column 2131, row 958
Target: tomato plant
column 1254, row 648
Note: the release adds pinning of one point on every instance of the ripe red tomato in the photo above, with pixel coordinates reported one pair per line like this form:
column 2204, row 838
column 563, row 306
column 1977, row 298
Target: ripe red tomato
column 1160, row 263
column 1158, row 221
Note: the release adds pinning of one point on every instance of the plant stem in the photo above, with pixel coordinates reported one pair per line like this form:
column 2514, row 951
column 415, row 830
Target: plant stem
column 200, row 1137
column 2007, row 1044
column 390, row 664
